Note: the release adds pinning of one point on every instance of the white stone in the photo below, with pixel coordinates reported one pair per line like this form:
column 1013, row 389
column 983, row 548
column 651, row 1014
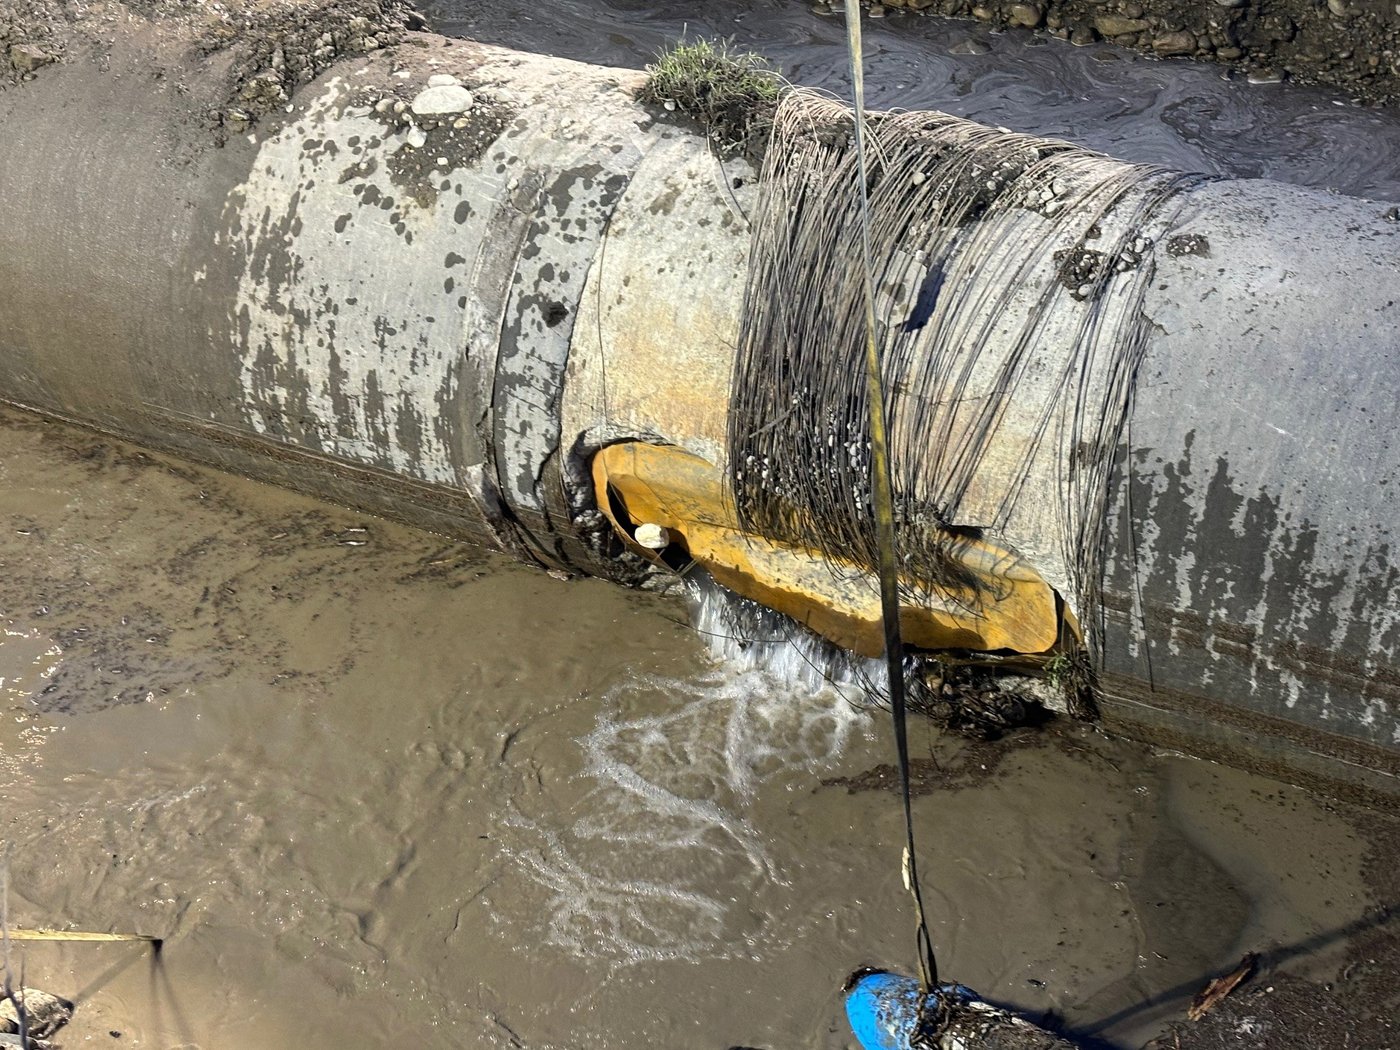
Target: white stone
column 442, row 101
column 443, row 80
column 416, row 136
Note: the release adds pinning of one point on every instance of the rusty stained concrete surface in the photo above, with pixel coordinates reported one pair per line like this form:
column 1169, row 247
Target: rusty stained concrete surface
column 363, row 310
column 1252, row 533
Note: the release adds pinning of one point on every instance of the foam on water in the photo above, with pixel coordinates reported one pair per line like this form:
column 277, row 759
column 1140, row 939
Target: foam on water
column 670, row 773
column 28, row 661
column 746, row 636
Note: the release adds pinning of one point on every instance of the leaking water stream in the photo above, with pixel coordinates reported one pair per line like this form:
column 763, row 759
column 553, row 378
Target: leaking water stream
column 376, row 789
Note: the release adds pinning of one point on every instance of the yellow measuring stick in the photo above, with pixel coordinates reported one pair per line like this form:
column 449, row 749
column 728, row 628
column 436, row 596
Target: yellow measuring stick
column 77, row 935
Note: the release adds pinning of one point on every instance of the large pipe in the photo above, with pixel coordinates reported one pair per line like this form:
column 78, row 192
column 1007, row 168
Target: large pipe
column 439, row 300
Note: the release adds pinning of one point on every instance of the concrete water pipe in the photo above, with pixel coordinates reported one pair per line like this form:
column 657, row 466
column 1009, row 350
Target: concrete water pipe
column 491, row 294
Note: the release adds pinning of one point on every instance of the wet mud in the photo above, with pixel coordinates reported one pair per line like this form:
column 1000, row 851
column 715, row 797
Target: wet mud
column 374, row 788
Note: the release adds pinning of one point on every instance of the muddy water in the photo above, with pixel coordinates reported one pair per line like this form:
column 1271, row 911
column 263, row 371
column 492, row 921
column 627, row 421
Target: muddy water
column 1181, row 114
column 376, row 789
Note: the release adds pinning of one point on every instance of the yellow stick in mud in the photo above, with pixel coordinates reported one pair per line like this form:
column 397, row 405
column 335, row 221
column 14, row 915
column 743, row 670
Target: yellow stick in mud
column 78, row 935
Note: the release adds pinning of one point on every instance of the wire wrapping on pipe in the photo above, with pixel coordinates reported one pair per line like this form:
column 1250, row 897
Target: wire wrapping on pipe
column 1008, row 275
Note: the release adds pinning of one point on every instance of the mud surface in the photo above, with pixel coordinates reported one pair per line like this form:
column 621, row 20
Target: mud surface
column 377, row 789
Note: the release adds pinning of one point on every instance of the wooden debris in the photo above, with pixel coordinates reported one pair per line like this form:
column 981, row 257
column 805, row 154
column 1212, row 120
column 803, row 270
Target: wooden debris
column 1209, row 996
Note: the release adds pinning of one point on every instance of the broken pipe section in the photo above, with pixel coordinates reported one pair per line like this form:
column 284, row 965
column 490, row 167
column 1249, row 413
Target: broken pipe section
column 444, row 316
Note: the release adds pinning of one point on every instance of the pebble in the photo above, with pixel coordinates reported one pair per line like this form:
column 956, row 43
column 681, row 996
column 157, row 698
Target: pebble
column 416, row 137
column 1083, row 36
column 1027, row 15
column 1117, row 25
column 443, row 80
column 25, row 58
column 877, row 11
column 1174, row 44
column 1338, row 8
column 1265, row 76
column 47, row 1013
column 969, row 47
column 444, row 100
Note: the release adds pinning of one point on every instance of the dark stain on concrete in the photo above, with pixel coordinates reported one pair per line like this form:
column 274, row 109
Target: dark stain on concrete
column 1188, row 244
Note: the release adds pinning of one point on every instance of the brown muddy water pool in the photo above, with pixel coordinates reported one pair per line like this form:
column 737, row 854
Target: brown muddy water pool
column 379, row 789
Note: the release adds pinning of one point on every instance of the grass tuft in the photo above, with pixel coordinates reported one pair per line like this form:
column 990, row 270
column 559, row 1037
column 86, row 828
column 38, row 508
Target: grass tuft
column 731, row 93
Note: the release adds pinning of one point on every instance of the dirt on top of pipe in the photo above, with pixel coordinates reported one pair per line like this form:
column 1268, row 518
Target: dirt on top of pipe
column 262, row 51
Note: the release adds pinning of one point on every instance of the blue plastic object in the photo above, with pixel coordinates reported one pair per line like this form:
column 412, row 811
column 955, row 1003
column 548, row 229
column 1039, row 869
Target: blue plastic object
column 885, row 1009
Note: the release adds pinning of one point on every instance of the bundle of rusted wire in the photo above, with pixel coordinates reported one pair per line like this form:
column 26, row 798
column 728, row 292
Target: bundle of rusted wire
column 1009, row 274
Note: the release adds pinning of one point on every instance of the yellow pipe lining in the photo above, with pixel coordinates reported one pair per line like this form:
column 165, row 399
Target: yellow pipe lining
column 1009, row 607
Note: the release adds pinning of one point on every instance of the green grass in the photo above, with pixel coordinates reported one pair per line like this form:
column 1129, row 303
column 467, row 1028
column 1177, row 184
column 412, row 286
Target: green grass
column 731, row 93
